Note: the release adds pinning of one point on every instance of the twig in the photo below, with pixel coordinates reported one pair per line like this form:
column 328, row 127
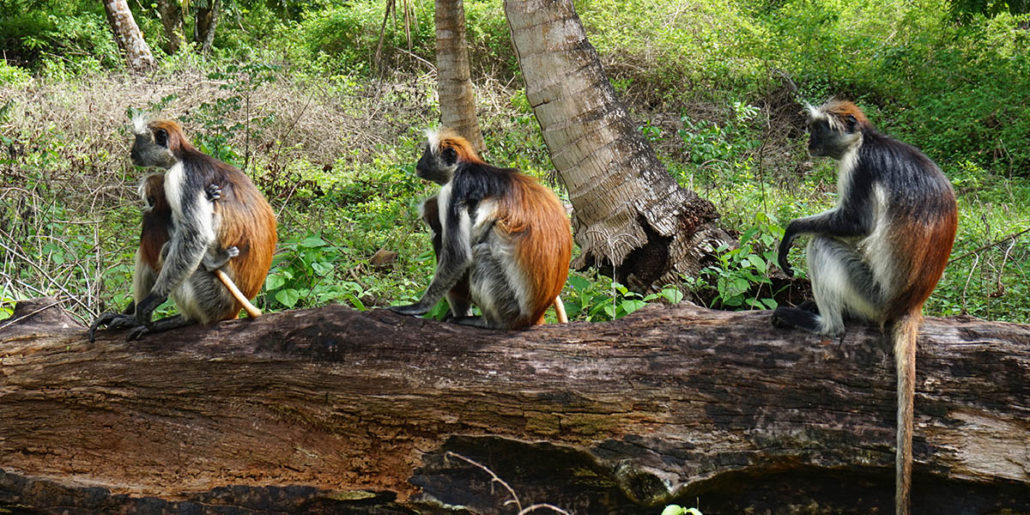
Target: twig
column 494, row 477
column 515, row 498
column 45, row 274
column 989, row 245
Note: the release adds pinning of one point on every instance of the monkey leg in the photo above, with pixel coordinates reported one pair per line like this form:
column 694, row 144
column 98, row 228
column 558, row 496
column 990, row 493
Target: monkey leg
column 460, row 300
column 493, row 292
column 842, row 285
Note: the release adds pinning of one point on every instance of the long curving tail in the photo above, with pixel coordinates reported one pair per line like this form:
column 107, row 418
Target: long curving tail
column 559, row 311
column 252, row 310
column 904, row 335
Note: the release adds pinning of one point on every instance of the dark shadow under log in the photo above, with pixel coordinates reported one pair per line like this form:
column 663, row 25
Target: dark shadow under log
column 332, row 410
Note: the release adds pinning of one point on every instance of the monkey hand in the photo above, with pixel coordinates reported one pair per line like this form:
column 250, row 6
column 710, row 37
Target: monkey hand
column 112, row 321
column 416, row 309
column 782, row 258
column 213, row 191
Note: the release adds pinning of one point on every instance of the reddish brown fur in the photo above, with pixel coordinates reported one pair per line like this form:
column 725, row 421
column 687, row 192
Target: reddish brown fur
column 155, row 221
column 247, row 221
column 842, row 108
column 534, row 216
column 922, row 253
column 461, row 146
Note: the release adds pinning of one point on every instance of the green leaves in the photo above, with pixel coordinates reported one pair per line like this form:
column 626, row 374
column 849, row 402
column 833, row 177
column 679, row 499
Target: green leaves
column 596, row 298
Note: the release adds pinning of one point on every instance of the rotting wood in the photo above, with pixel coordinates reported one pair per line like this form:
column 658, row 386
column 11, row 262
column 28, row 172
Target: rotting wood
column 329, row 409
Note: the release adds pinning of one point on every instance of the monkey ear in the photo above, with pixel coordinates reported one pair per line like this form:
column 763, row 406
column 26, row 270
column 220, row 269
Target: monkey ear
column 450, row 156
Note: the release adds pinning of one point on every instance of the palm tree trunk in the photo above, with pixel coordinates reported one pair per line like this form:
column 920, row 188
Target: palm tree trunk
column 206, row 22
column 171, row 19
column 630, row 214
column 128, row 35
column 457, row 99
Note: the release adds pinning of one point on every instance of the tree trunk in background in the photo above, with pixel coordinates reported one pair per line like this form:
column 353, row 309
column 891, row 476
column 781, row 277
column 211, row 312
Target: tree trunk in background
column 128, row 35
column 171, row 19
column 628, row 211
column 206, row 22
column 457, row 98
column 332, row 410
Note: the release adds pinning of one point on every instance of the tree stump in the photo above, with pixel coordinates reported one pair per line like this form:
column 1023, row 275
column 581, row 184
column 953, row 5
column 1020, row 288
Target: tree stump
column 330, row 410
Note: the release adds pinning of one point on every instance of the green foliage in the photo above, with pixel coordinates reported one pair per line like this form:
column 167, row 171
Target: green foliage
column 675, row 509
column 240, row 82
column 594, row 297
column 12, row 75
column 741, row 275
column 68, row 40
column 347, row 36
column 706, row 76
column 309, row 271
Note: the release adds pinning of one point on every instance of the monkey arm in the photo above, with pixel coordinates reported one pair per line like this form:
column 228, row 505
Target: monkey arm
column 193, row 235
column 453, row 261
column 844, row 222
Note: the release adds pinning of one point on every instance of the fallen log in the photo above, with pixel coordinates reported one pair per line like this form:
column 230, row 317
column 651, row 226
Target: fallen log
column 335, row 410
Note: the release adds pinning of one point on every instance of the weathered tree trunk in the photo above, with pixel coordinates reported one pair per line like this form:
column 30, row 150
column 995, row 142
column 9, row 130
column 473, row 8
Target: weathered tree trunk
column 628, row 210
column 171, row 20
column 457, row 98
column 128, row 35
column 206, row 23
column 340, row 411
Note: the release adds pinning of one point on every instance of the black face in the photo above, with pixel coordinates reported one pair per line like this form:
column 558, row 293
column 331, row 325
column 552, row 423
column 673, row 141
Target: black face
column 438, row 169
column 147, row 152
column 824, row 141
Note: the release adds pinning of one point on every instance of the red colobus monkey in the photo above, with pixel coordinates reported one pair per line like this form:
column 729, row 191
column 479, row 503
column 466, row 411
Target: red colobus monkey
column 878, row 255
column 205, row 219
column 503, row 241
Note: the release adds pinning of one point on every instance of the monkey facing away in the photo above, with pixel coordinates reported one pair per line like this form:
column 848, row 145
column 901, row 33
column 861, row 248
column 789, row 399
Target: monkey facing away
column 503, row 241
column 879, row 253
column 220, row 225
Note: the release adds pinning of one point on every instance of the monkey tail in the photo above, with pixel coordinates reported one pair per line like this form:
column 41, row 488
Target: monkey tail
column 252, row 310
column 903, row 335
column 559, row 311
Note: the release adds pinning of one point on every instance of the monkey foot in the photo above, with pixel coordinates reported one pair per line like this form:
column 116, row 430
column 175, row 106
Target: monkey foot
column 117, row 321
column 788, row 318
column 410, row 309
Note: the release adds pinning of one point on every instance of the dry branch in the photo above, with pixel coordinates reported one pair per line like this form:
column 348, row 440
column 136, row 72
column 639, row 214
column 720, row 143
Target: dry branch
column 331, row 409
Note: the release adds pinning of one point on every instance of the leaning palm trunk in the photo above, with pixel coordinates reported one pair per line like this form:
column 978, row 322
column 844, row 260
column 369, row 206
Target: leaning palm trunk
column 629, row 213
column 457, row 100
column 128, row 35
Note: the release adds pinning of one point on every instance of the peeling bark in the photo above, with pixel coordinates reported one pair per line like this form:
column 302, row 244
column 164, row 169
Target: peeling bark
column 335, row 410
column 127, row 34
column 629, row 212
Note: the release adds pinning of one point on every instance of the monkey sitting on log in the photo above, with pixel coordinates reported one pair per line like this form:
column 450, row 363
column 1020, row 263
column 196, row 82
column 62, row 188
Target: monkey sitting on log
column 879, row 253
column 222, row 235
column 502, row 241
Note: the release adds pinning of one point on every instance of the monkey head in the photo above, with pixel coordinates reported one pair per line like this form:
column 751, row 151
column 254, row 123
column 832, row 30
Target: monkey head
column 835, row 128
column 443, row 151
column 157, row 143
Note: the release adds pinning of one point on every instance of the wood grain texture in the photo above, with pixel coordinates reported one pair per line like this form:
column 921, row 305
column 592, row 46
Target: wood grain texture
column 328, row 408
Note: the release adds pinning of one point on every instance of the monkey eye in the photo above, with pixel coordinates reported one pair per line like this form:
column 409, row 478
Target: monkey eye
column 161, row 137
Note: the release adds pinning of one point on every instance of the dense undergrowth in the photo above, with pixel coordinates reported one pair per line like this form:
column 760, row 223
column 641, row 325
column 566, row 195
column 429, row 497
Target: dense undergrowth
column 328, row 127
